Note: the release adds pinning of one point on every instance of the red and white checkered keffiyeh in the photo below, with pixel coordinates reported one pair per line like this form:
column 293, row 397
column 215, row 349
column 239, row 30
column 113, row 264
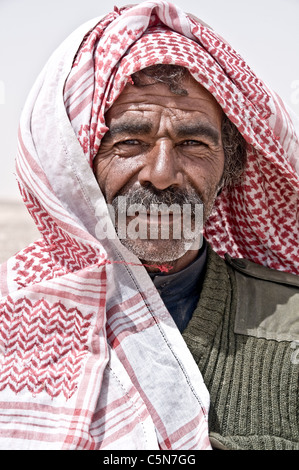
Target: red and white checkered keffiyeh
column 90, row 358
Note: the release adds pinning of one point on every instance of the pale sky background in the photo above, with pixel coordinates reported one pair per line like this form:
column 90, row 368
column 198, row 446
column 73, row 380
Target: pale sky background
column 264, row 32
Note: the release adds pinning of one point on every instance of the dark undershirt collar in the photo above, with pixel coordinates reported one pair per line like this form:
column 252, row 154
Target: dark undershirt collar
column 180, row 291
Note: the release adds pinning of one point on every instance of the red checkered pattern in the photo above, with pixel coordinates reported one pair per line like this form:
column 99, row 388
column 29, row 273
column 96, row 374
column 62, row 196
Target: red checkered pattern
column 89, row 356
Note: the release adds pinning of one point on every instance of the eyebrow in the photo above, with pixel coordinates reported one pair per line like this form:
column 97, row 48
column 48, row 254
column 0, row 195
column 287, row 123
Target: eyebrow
column 130, row 127
column 199, row 129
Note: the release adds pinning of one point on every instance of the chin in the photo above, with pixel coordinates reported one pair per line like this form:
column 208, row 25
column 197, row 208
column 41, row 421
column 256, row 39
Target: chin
column 161, row 251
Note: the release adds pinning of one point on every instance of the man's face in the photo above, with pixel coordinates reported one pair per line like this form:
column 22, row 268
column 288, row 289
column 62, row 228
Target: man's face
column 165, row 148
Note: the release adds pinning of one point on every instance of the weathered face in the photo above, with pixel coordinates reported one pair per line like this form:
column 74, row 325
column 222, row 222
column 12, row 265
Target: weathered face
column 162, row 147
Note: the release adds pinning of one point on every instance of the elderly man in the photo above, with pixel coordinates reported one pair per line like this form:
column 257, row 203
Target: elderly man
column 120, row 328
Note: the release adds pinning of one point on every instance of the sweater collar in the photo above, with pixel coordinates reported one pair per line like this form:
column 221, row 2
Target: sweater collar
column 214, row 298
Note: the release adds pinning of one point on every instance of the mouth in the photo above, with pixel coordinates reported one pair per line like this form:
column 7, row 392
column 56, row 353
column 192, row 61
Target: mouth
column 155, row 226
column 159, row 218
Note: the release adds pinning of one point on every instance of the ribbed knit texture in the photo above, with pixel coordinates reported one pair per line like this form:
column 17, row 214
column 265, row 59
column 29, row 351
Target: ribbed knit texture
column 252, row 381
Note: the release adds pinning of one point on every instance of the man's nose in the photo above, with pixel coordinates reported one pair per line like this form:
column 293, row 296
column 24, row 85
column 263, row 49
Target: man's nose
column 162, row 168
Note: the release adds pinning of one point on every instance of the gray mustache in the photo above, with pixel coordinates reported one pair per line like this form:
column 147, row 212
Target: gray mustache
column 147, row 196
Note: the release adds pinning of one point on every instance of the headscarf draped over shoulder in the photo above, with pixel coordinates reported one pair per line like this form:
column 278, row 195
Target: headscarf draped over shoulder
column 90, row 357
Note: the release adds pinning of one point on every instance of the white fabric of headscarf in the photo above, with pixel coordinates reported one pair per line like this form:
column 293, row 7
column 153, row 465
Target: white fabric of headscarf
column 90, row 357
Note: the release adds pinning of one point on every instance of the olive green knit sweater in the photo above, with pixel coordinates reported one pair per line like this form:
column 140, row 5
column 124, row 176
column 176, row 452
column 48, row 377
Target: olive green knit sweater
column 253, row 382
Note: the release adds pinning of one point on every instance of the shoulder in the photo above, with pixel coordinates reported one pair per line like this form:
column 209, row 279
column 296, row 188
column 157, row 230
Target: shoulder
column 267, row 301
column 253, row 270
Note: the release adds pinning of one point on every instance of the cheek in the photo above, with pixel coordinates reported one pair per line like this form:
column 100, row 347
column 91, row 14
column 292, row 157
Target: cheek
column 113, row 173
column 206, row 175
column 101, row 169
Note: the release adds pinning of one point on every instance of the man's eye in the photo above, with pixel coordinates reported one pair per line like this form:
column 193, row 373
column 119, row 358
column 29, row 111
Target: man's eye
column 129, row 142
column 193, row 143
